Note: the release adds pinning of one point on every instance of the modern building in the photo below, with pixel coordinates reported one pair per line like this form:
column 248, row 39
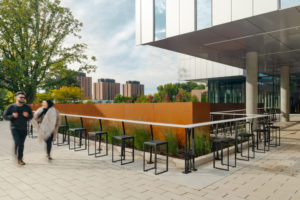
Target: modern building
column 132, row 88
column 260, row 37
column 85, row 84
column 106, row 89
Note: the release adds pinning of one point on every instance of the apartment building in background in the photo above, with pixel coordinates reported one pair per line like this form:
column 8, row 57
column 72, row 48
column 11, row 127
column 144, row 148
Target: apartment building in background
column 85, row 84
column 106, row 89
column 132, row 88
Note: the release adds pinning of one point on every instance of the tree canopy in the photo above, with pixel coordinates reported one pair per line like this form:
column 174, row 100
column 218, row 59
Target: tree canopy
column 177, row 91
column 33, row 36
column 63, row 95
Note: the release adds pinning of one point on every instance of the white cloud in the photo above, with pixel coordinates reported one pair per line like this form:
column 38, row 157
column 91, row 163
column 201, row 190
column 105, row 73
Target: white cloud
column 109, row 32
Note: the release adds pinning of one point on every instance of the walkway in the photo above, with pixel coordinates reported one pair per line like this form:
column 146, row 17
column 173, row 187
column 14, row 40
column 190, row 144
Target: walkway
column 74, row 175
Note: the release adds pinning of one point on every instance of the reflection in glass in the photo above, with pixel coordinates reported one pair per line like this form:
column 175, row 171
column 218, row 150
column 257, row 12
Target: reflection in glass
column 269, row 90
column 230, row 90
column 203, row 14
column 160, row 19
column 289, row 3
column 295, row 93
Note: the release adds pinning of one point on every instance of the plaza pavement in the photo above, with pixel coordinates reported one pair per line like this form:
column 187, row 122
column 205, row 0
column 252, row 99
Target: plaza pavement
column 74, row 175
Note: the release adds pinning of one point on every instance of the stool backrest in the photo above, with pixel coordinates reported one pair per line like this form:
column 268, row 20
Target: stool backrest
column 100, row 124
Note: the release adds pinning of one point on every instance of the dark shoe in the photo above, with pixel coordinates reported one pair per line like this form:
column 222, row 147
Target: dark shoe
column 49, row 157
column 21, row 162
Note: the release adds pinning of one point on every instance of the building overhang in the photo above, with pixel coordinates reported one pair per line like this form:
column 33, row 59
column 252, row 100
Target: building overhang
column 275, row 36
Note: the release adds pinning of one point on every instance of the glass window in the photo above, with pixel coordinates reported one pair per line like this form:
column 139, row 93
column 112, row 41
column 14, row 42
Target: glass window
column 289, row 3
column 160, row 19
column 203, row 14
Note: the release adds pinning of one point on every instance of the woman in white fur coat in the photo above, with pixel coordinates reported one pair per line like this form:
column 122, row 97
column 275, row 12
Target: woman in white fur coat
column 49, row 121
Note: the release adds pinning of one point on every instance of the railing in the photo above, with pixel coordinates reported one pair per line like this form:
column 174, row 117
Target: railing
column 189, row 144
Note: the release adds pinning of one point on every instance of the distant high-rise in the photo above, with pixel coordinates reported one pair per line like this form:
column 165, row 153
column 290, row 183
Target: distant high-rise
column 106, row 89
column 132, row 88
column 85, row 84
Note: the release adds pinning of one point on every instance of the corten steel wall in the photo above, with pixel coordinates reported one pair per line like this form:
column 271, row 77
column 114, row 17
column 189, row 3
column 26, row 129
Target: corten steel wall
column 176, row 113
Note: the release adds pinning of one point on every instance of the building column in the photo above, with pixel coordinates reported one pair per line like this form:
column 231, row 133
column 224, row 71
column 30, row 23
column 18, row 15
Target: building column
column 251, row 82
column 285, row 93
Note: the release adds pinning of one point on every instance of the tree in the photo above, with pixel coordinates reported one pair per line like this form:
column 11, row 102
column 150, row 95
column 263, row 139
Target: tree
column 60, row 77
column 185, row 96
column 169, row 89
column 167, row 98
column 157, row 98
column 141, row 99
column 6, row 98
column 204, row 97
column 194, row 99
column 200, row 87
column 32, row 39
column 66, row 95
column 42, row 96
column 121, row 99
column 150, row 98
column 179, row 97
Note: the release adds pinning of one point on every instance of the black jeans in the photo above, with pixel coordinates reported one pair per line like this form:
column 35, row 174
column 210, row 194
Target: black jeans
column 19, row 139
column 49, row 144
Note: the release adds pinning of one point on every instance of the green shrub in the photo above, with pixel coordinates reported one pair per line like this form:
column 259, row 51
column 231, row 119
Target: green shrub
column 73, row 123
column 202, row 145
column 141, row 135
column 112, row 131
column 172, row 143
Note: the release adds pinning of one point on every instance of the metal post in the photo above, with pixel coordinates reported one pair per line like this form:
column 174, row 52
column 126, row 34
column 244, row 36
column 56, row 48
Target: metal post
column 236, row 133
column 123, row 126
column 186, row 163
column 100, row 123
column 151, row 148
column 81, row 121
column 216, row 147
column 80, row 132
column 123, row 143
column 189, row 149
column 66, row 120
column 193, row 149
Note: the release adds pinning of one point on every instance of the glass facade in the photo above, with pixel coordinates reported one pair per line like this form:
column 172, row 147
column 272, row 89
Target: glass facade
column 232, row 90
column 289, row 3
column 269, row 91
column 160, row 19
column 295, row 93
column 204, row 14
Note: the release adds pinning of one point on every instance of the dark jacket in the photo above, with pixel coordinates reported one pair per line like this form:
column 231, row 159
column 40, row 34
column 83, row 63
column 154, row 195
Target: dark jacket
column 19, row 123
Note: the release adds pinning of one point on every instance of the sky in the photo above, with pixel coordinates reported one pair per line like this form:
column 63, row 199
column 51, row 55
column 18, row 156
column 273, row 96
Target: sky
column 109, row 31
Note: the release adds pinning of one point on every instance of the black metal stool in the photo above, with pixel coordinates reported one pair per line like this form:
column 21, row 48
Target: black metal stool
column 98, row 136
column 219, row 144
column 64, row 130
column 80, row 131
column 274, row 129
column 154, row 144
column 123, row 139
column 30, row 130
column 262, row 131
column 245, row 135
